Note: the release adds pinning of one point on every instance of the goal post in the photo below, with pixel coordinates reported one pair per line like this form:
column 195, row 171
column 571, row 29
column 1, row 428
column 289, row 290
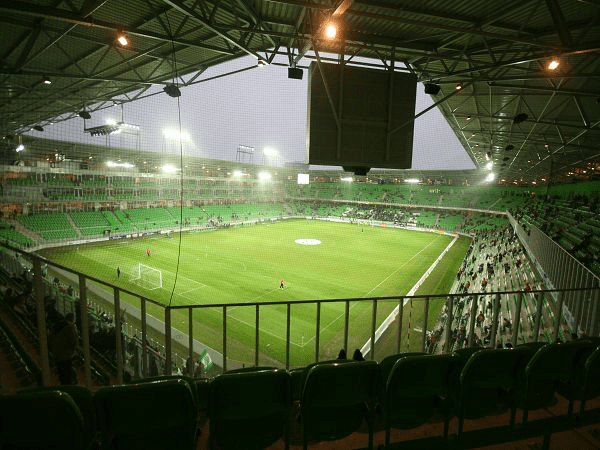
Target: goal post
column 146, row 277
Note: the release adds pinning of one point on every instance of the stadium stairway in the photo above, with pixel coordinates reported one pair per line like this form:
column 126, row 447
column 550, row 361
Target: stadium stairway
column 25, row 231
column 74, row 225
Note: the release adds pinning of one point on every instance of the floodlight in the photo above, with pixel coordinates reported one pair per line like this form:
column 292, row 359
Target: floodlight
column 412, row 180
column 270, row 152
column 47, row 80
column 459, row 86
column 20, row 148
column 122, row 40
column 262, row 63
column 168, row 168
column 264, row 176
column 330, row 31
column 174, row 134
column 37, row 128
column 172, row 90
column 553, row 64
column 347, row 179
column 125, row 165
column 111, row 122
column 238, row 173
column 489, row 165
column 84, row 114
column 490, row 177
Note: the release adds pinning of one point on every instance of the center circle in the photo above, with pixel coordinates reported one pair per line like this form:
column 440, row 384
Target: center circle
column 307, row 241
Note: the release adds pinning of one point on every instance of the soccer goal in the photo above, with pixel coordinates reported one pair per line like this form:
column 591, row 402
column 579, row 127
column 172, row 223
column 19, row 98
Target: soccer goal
column 146, row 277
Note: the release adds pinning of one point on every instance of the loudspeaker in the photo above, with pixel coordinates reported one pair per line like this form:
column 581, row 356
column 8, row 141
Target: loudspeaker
column 432, row 89
column 522, row 117
column 172, row 90
column 295, row 73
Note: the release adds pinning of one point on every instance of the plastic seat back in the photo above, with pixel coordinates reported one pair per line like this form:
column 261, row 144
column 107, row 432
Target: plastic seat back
column 153, row 415
column 415, row 387
column 48, row 419
column 336, row 398
column 385, row 368
column 249, row 409
column 85, row 402
column 487, row 383
column 550, row 365
column 591, row 386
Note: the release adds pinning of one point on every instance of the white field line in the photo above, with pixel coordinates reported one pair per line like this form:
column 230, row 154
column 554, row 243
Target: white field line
column 388, row 321
column 252, row 300
column 371, row 290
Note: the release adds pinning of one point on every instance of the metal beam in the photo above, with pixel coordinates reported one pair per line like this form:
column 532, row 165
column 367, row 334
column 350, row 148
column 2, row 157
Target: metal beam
column 184, row 9
column 560, row 23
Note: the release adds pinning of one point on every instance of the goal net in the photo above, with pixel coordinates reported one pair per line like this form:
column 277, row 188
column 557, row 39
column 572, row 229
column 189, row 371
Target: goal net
column 146, row 277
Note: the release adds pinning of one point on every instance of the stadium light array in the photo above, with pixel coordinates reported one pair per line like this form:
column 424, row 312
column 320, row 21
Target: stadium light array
column 490, row 176
column 124, row 165
column 168, row 168
column 330, row 31
column 489, row 165
column 264, row 176
column 20, row 148
column 553, row 64
column 412, row 180
column 174, row 134
column 270, row 152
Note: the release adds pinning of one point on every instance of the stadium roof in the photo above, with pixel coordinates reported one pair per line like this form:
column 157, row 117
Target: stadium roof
column 511, row 107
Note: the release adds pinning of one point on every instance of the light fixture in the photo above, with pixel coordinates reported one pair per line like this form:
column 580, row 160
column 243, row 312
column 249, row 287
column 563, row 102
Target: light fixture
column 37, row 128
column 347, row 179
column 262, row 63
column 489, row 165
column 468, row 118
column 521, row 117
column 264, row 176
column 47, row 80
column 490, row 176
column 330, row 31
column 174, row 134
column 122, row 40
column 270, row 152
column 172, row 90
column 432, row 89
column 553, row 64
column 168, row 168
column 238, row 173
column 84, row 114
column 20, row 148
column 412, row 180
column 458, row 86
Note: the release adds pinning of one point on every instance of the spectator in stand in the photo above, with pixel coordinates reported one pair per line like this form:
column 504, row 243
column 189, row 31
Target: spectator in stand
column 64, row 349
column 358, row 356
column 506, row 324
column 480, row 319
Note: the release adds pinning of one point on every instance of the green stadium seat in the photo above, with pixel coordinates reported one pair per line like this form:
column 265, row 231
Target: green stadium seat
column 155, row 415
column 414, row 391
column 48, row 420
column 385, row 368
column 249, row 409
column 487, row 384
column 590, row 387
column 550, row 365
column 84, row 400
column 336, row 398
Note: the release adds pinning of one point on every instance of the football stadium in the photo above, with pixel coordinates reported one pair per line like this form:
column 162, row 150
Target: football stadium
column 292, row 224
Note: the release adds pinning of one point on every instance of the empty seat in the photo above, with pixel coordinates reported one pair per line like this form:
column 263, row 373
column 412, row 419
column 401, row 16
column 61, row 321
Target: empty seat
column 414, row 391
column 40, row 420
column 550, row 365
column 336, row 398
column 250, row 409
column 487, row 384
column 154, row 415
column 84, row 400
column 591, row 386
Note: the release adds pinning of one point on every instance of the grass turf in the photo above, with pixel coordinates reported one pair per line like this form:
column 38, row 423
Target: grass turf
column 245, row 264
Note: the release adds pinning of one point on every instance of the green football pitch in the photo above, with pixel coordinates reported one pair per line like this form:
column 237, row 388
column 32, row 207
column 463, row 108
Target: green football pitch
column 245, row 265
